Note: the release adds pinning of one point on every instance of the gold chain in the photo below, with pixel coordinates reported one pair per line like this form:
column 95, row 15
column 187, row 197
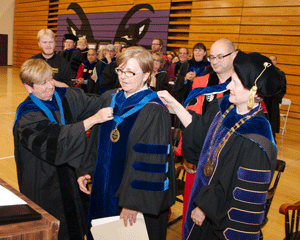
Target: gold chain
column 208, row 167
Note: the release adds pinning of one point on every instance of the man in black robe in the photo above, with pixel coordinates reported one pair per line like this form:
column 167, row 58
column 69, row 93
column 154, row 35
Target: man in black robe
column 71, row 53
column 50, row 141
column 61, row 68
column 273, row 103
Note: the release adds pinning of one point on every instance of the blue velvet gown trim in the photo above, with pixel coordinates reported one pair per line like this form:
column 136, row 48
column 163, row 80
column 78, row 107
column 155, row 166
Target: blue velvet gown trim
column 152, row 148
column 246, row 217
column 233, row 234
column 150, row 186
column 248, row 196
column 29, row 106
column 151, row 167
column 249, row 175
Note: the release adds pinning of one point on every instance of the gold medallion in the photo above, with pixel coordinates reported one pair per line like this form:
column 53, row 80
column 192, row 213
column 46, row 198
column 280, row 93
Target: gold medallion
column 208, row 169
column 115, row 135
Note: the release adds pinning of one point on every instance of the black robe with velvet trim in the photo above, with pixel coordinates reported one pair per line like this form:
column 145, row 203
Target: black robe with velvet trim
column 228, row 195
column 46, row 155
column 150, row 126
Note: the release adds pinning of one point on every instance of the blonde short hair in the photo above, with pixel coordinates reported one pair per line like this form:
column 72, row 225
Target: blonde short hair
column 142, row 56
column 34, row 71
column 45, row 32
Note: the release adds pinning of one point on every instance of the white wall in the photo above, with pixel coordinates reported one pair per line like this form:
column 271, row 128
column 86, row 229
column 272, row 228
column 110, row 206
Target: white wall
column 7, row 24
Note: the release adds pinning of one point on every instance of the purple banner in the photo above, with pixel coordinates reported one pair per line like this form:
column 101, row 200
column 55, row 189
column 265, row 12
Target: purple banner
column 135, row 27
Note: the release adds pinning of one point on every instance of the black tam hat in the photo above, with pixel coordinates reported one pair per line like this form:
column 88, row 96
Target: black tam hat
column 258, row 74
column 72, row 37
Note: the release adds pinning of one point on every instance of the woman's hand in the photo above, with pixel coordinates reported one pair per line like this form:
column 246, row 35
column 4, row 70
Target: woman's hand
column 167, row 98
column 190, row 76
column 82, row 182
column 128, row 214
column 103, row 115
column 198, row 216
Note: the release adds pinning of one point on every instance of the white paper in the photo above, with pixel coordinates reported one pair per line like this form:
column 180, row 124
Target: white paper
column 112, row 228
column 100, row 221
column 8, row 198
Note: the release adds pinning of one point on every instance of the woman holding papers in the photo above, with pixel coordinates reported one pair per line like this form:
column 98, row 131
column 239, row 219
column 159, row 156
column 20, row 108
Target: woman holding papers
column 134, row 171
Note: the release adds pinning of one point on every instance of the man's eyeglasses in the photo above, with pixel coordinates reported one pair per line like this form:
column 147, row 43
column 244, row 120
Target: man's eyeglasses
column 155, row 44
column 219, row 58
column 119, row 71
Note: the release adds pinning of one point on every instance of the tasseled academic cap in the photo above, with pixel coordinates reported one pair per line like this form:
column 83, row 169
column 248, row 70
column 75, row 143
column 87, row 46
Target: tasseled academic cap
column 258, row 74
column 71, row 36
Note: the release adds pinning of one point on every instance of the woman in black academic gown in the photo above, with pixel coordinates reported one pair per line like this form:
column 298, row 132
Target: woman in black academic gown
column 196, row 67
column 134, row 171
column 159, row 78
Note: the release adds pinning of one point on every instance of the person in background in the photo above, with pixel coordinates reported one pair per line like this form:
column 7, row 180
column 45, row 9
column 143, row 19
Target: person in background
column 61, row 68
column 118, row 49
column 71, row 53
column 134, row 171
column 82, row 46
column 159, row 79
column 189, row 71
column 85, row 72
column 157, row 46
column 104, row 74
column 237, row 159
column 173, row 69
column 171, row 56
column 50, row 141
column 273, row 102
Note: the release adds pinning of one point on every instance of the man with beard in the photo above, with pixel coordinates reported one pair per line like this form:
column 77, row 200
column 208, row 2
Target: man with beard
column 61, row 68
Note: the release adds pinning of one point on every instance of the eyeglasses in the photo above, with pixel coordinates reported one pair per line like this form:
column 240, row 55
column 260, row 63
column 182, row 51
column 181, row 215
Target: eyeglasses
column 119, row 71
column 219, row 58
column 155, row 44
column 157, row 60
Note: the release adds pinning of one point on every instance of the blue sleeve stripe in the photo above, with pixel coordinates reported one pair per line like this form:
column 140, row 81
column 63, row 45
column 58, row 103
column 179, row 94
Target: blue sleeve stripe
column 246, row 217
column 162, row 149
column 249, row 196
column 150, row 167
column 150, row 186
column 230, row 233
column 253, row 175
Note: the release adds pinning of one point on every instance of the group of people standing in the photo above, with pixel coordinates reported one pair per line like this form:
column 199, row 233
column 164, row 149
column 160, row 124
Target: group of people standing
column 227, row 140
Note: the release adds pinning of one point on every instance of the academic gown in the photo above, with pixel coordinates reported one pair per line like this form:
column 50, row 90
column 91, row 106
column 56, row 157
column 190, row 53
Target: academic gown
column 137, row 172
column 162, row 81
column 74, row 57
column 47, row 153
column 233, row 197
column 107, row 77
column 61, row 68
column 181, row 87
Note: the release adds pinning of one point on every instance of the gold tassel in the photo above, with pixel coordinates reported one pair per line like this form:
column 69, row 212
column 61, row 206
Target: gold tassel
column 252, row 94
column 253, row 90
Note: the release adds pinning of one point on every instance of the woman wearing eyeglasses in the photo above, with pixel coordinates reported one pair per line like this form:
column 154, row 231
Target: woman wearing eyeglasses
column 134, row 171
column 159, row 79
column 189, row 71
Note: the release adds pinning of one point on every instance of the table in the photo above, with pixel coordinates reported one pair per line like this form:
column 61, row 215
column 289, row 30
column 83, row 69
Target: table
column 45, row 228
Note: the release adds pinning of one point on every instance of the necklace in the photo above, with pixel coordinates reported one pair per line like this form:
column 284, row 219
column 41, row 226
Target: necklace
column 208, row 167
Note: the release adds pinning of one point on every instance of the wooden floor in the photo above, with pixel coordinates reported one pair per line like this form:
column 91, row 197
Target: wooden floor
column 12, row 93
